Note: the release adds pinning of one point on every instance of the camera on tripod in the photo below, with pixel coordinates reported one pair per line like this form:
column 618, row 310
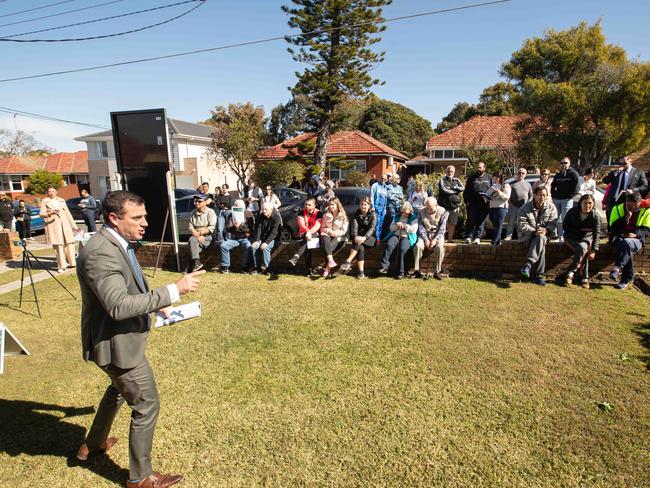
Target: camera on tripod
column 21, row 242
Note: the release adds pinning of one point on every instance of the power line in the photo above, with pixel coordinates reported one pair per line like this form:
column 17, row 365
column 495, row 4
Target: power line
column 250, row 43
column 15, row 112
column 37, row 8
column 8, row 38
column 59, row 14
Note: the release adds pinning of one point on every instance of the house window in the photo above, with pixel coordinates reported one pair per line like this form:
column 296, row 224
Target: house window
column 459, row 154
column 16, row 183
column 449, row 154
column 438, row 154
column 101, row 149
column 83, row 179
column 341, row 174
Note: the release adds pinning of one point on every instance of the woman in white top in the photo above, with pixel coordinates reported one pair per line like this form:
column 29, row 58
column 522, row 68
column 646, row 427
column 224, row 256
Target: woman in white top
column 271, row 198
column 499, row 194
column 60, row 228
column 417, row 197
column 334, row 228
column 587, row 186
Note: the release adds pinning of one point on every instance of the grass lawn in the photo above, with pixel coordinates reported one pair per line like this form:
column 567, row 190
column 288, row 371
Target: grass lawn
column 295, row 382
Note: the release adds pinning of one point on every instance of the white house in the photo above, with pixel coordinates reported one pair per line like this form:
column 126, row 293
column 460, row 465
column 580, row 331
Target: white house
column 193, row 164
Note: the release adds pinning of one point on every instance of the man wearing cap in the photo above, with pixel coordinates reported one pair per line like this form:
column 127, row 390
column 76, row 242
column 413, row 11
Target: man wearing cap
column 563, row 189
column 202, row 224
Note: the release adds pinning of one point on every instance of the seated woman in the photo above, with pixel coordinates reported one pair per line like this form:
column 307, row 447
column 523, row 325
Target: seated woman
column 499, row 194
column 403, row 234
column 362, row 235
column 581, row 234
column 333, row 231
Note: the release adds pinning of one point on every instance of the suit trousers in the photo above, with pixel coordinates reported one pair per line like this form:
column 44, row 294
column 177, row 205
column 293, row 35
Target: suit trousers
column 138, row 388
column 536, row 256
column 438, row 254
column 626, row 248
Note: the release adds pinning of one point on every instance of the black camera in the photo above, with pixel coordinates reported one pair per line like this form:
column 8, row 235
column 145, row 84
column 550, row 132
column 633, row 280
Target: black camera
column 21, row 242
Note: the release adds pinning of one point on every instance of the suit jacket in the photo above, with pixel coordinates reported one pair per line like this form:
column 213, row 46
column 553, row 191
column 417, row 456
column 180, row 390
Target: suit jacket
column 115, row 309
column 636, row 182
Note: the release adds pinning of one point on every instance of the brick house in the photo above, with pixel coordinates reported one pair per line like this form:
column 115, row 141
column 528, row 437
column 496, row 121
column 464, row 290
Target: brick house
column 370, row 155
column 480, row 132
column 16, row 170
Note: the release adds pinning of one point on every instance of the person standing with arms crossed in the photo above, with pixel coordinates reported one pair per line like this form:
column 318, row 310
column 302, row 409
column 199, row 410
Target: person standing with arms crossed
column 115, row 322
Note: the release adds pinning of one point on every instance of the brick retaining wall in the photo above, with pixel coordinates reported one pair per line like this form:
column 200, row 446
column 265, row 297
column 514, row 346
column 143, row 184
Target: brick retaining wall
column 460, row 259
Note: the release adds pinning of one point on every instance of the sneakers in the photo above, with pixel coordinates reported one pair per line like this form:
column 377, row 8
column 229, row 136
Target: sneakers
column 507, row 238
column 196, row 266
column 361, row 275
column 614, row 273
column 383, row 271
column 525, row 272
column 539, row 280
column 569, row 278
column 400, row 276
column 294, row 260
column 622, row 285
column 346, row 266
column 476, row 241
column 585, row 284
column 224, row 270
column 252, row 272
column 439, row 276
column 417, row 273
column 327, row 273
column 468, row 241
column 331, row 263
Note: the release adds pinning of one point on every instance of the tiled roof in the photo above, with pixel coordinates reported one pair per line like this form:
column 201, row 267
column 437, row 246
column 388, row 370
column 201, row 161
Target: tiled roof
column 62, row 163
column 346, row 142
column 482, row 131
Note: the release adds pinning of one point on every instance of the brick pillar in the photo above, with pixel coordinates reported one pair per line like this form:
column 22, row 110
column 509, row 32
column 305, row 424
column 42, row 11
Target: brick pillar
column 7, row 248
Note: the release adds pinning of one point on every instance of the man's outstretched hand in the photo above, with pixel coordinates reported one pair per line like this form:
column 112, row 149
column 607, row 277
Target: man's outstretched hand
column 189, row 282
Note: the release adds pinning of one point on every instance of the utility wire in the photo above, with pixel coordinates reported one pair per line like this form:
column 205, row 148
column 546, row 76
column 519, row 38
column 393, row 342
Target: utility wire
column 8, row 38
column 60, row 13
column 37, row 8
column 15, row 112
column 250, row 43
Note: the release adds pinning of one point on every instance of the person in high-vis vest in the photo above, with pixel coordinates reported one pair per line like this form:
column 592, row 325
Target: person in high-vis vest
column 629, row 225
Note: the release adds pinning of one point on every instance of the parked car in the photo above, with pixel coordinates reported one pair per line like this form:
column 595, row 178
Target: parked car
column 184, row 209
column 37, row 223
column 73, row 205
column 289, row 196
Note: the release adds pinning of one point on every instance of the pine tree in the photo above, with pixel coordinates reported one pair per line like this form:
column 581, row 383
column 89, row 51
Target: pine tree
column 335, row 42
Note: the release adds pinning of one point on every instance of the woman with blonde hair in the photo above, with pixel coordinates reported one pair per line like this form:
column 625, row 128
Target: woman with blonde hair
column 403, row 235
column 333, row 231
column 60, row 228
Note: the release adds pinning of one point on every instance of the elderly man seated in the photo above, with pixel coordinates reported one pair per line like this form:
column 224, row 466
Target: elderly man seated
column 266, row 231
column 629, row 226
column 240, row 226
column 202, row 224
column 431, row 235
column 536, row 223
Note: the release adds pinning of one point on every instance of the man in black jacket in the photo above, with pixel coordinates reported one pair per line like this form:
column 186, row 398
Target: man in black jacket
column 475, row 196
column 625, row 181
column 6, row 211
column 266, row 231
column 563, row 189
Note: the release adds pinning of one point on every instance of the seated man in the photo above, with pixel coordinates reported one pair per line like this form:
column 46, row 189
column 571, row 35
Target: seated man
column 536, row 223
column 237, row 234
column 266, row 231
column 203, row 221
column 431, row 235
column 629, row 225
column 309, row 222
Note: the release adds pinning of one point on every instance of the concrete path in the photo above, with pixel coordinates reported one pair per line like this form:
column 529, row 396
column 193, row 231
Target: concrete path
column 48, row 262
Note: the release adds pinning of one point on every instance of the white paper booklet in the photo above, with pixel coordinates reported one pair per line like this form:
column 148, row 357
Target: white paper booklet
column 313, row 243
column 178, row 314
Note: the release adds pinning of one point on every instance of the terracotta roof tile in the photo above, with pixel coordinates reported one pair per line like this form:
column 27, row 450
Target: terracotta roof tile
column 341, row 143
column 482, row 131
column 63, row 163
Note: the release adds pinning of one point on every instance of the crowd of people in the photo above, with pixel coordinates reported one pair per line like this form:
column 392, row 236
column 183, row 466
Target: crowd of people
column 561, row 209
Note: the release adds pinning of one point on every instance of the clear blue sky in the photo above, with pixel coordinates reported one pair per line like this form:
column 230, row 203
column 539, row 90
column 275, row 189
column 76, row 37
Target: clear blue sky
column 431, row 62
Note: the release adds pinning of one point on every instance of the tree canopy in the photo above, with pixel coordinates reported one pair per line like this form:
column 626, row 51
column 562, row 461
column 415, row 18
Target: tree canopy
column 40, row 180
column 584, row 98
column 20, row 143
column 239, row 132
column 335, row 44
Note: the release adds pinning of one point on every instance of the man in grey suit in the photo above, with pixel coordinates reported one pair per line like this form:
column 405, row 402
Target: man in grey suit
column 624, row 181
column 115, row 322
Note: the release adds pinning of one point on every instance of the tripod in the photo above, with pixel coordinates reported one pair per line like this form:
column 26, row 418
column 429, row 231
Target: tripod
column 27, row 263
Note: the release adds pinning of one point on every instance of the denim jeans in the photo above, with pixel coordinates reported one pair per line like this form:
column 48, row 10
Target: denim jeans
column 625, row 249
column 227, row 246
column 513, row 212
column 497, row 217
column 266, row 256
column 562, row 206
column 395, row 242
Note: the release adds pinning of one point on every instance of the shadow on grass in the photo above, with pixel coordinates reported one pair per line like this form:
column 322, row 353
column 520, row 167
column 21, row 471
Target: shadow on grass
column 28, row 428
column 643, row 331
column 16, row 309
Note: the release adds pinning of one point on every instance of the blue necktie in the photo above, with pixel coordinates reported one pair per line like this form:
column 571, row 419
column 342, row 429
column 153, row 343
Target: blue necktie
column 135, row 266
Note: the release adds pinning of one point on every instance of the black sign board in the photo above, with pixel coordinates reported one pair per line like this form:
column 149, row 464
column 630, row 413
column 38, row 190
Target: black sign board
column 143, row 159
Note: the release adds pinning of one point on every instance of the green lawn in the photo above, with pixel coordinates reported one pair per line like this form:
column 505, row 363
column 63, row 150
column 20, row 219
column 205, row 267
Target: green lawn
column 296, row 382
